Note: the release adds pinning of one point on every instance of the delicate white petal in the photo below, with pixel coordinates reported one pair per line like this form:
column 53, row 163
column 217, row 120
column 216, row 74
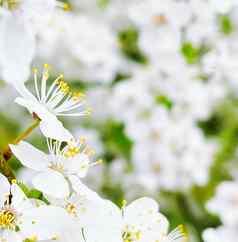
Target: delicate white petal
column 4, row 189
column 83, row 190
column 52, row 183
column 107, row 225
column 141, row 207
column 54, row 129
column 45, row 222
column 10, row 236
column 17, row 48
column 78, row 165
column 19, row 200
column 50, row 126
column 30, row 157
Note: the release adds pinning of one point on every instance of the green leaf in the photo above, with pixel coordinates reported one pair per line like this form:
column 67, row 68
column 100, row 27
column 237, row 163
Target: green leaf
column 32, row 193
column 226, row 26
column 103, row 3
column 128, row 40
column 116, row 140
column 165, row 101
column 193, row 54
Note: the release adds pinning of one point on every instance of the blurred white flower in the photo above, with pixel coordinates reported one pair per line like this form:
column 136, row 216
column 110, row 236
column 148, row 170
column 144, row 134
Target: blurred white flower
column 220, row 234
column 17, row 47
column 89, row 53
column 225, row 202
column 19, row 21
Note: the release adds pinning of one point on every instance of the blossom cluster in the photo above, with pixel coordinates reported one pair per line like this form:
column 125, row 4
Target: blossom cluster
column 58, row 206
column 67, row 209
column 155, row 71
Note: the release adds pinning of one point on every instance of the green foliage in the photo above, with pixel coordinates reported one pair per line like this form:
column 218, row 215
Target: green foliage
column 224, row 125
column 103, row 3
column 32, row 193
column 163, row 100
column 225, row 24
column 114, row 192
column 193, row 54
column 8, row 130
column 116, row 141
column 128, row 40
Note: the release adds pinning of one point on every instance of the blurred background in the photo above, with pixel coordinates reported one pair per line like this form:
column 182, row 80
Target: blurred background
column 161, row 77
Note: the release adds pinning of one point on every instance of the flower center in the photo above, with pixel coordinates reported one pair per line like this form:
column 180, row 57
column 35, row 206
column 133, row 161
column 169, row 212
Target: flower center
column 131, row 235
column 58, row 97
column 57, row 167
column 7, row 219
column 71, row 151
column 71, row 209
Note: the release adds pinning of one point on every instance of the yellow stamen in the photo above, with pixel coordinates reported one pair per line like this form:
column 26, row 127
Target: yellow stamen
column 77, row 96
column 66, row 6
column 71, row 209
column 7, row 219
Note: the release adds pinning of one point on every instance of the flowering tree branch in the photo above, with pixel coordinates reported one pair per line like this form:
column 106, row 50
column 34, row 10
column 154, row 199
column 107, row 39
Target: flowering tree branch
column 5, row 168
column 6, row 154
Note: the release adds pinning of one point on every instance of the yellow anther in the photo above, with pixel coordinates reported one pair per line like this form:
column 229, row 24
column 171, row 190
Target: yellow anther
column 71, row 209
column 71, row 151
column 7, row 219
column 66, row 7
column 14, row 181
column 98, row 162
column 82, row 140
column 46, row 66
column 33, row 238
column 131, row 235
column 124, row 203
column 55, row 237
column 64, row 87
column 77, row 96
column 35, row 70
column 89, row 151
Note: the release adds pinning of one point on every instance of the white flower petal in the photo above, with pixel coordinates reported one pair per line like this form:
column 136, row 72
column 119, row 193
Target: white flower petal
column 30, row 157
column 45, row 222
column 83, row 190
column 78, row 165
column 52, row 183
column 50, row 126
column 17, row 48
column 10, row 236
column 19, row 200
column 145, row 205
column 4, row 189
column 54, row 129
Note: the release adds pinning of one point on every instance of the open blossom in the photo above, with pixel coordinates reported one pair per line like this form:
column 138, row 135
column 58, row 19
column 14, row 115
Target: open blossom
column 20, row 219
column 141, row 221
column 59, row 168
column 50, row 102
column 90, row 214
column 138, row 222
